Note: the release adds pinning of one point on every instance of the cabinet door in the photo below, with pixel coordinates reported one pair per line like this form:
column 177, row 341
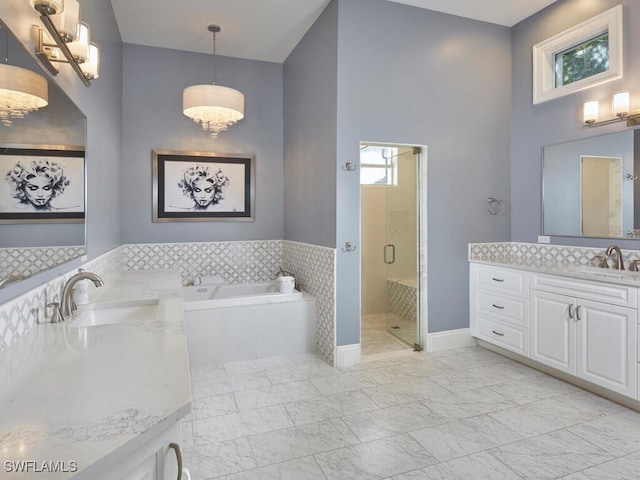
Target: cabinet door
column 606, row 339
column 553, row 333
column 145, row 470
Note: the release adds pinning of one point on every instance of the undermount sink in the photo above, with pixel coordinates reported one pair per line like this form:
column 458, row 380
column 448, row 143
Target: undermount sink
column 604, row 272
column 114, row 313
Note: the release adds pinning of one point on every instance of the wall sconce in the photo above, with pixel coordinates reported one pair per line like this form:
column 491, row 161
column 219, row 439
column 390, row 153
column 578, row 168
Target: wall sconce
column 72, row 39
column 620, row 108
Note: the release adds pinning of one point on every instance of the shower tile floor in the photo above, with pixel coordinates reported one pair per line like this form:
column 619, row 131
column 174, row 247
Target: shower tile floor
column 377, row 340
column 458, row 414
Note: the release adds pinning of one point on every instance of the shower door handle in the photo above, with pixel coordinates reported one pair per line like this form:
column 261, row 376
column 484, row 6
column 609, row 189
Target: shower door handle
column 385, row 257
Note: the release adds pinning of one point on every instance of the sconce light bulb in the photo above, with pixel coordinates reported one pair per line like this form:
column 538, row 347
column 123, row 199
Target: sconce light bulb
column 621, row 104
column 590, row 113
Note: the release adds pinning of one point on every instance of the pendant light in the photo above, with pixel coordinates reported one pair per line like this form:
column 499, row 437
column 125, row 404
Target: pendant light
column 215, row 107
column 21, row 90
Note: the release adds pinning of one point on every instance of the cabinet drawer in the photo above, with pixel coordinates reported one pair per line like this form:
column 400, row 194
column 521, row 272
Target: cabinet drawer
column 596, row 291
column 508, row 309
column 501, row 280
column 506, row 336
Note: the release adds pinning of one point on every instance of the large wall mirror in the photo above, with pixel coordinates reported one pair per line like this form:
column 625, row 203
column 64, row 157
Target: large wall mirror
column 42, row 179
column 590, row 187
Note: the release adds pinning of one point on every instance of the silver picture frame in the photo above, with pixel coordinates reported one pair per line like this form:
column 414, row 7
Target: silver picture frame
column 203, row 187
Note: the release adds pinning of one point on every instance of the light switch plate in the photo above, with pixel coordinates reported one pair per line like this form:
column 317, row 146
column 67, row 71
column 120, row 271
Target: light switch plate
column 544, row 239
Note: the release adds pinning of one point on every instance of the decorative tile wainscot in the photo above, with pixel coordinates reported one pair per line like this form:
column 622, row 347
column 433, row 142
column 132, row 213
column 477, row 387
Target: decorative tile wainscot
column 235, row 262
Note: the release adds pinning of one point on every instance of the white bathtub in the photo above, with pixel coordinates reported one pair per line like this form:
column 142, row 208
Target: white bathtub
column 230, row 322
column 199, row 297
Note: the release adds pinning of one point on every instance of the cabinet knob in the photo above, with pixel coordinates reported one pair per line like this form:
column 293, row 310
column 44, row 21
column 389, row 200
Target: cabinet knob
column 497, row 333
column 570, row 310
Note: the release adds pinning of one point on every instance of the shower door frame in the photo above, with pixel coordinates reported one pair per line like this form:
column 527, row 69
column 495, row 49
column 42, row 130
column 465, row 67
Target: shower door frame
column 421, row 158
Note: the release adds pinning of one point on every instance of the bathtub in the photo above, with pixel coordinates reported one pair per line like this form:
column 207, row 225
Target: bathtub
column 199, row 297
column 232, row 322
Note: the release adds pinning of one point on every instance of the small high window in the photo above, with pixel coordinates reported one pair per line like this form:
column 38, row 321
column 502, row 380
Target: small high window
column 582, row 61
column 378, row 165
column 585, row 55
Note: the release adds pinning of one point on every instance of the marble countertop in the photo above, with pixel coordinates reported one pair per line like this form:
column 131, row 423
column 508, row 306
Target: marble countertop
column 86, row 397
column 581, row 272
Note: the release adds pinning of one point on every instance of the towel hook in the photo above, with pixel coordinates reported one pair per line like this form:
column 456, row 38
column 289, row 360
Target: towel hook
column 494, row 206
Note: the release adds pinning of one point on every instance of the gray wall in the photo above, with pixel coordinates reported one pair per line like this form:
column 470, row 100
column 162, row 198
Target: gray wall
column 152, row 119
column 310, row 115
column 560, row 120
column 413, row 76
column 403, row 75
column 102, row 104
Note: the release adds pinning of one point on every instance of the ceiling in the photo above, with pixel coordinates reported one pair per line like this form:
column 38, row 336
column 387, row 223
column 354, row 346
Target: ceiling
column 269, row 29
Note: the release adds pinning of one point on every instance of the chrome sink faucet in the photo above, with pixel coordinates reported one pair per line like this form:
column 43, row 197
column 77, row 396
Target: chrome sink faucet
column 68, row 305
column 619, row 264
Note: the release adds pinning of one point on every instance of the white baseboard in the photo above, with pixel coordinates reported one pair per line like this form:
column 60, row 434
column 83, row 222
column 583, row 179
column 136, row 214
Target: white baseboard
column 449, row 339
column 348, row 355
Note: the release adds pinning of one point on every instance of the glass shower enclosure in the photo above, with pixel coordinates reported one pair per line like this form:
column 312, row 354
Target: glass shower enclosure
column 390, row 238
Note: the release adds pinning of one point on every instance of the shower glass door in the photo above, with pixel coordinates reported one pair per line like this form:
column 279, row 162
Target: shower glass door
column 400, row 252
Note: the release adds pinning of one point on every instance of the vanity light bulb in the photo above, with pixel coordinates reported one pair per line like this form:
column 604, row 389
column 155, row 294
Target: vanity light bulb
column 591, row 111
column 91, row 68
column 80, row 48
column 68, row 22
column 621, row 104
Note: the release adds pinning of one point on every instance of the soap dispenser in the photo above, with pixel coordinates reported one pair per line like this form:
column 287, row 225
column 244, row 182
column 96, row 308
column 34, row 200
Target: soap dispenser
column 81, row 291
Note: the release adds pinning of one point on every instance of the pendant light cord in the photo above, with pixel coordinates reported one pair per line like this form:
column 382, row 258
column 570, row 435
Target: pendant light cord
column 213, row 63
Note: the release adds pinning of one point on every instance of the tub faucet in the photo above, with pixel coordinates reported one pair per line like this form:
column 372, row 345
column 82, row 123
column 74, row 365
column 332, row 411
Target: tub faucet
column 619, row 264
column 11, row 279
column 68, row 305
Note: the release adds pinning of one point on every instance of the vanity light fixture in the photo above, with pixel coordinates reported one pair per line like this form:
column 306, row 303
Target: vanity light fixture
column 91, row 68
column 620, row 107
column 213, row 106
column 71, row 38
column 67, row 22
column 591, row 112
column 80, row 48
column 21, row 90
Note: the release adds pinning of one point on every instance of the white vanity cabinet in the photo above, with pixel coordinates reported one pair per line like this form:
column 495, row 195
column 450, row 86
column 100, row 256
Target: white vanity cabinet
column 157, row 459
column 500, row 307
column 586, row 329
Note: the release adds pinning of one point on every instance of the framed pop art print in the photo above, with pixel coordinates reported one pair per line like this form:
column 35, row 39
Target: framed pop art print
column 202, row 186
column 42, row 184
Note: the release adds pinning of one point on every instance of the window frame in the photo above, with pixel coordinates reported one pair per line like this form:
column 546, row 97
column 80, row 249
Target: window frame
column 544, row 53
column 391, row 167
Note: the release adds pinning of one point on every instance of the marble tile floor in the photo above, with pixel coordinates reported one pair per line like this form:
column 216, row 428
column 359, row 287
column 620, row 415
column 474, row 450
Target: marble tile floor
column 453, row 415
column 376, row 339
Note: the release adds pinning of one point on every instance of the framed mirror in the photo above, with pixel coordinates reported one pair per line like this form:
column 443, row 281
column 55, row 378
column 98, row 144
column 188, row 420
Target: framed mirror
column 42, row 179
column 588, row 187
